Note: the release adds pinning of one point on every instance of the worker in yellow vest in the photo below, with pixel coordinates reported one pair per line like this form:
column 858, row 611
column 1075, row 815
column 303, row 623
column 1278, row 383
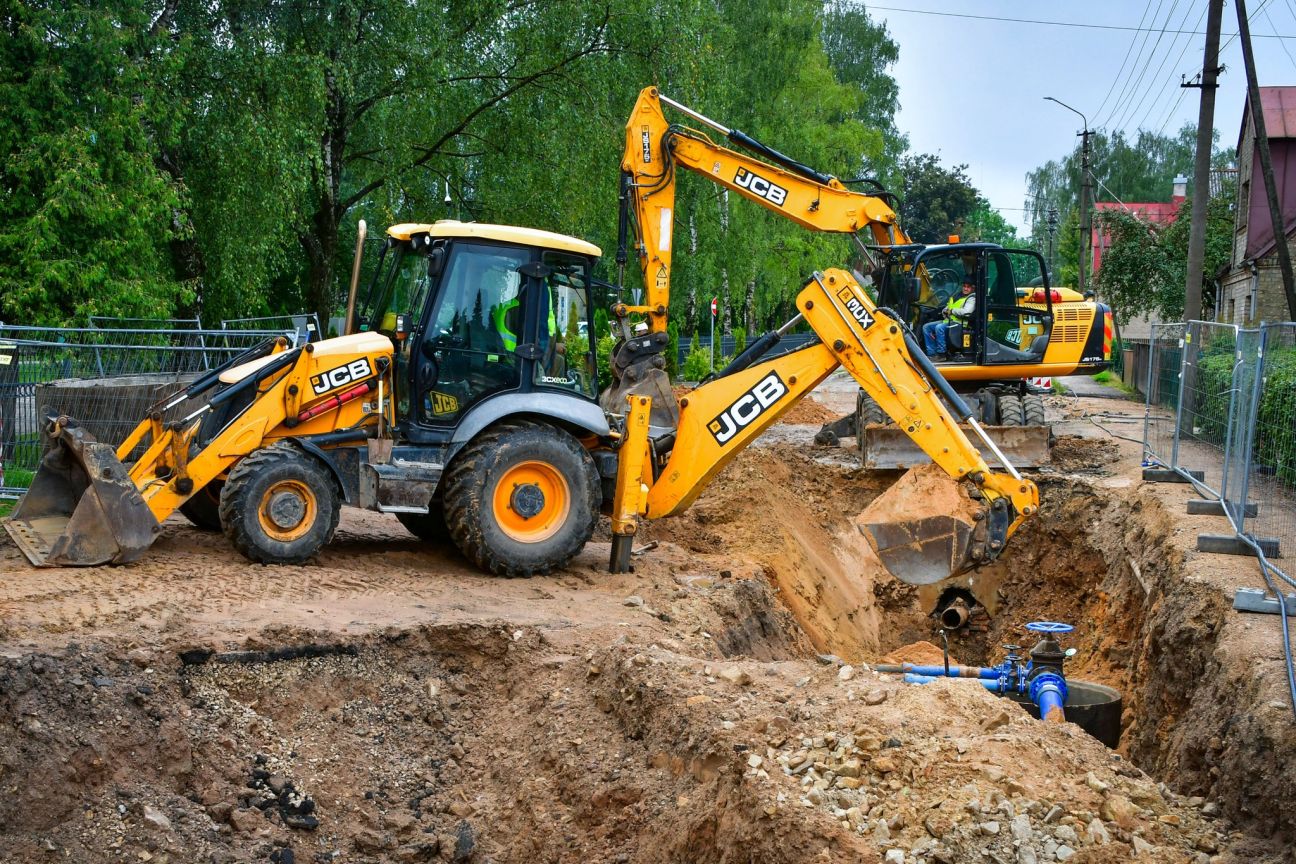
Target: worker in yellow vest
column 959, row 309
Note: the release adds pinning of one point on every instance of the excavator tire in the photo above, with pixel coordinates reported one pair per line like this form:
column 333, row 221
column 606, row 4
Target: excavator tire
column 430, row 527
column 279, row 505
column 521, row 499
column 1011, row 412
column 1033, row 407
column 203, row 509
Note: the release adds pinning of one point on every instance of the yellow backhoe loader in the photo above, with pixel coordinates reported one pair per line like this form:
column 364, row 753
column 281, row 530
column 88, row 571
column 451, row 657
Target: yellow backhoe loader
column 464, row 400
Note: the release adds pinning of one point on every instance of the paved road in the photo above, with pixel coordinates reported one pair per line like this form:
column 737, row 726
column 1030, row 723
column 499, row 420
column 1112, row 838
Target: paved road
column 1083, row 385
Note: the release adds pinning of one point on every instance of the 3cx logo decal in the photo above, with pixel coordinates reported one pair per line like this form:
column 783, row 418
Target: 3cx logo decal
column 856, row 308
column 333, row 378
column 747, row 408
column 758, row 185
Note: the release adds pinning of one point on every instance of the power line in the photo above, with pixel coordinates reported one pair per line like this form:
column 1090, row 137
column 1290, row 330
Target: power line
column 1125, row 88
column 1170, row 84
column 1074, row 24
column 1280, row 42
column 1128, row 51
column 1254, row 36
column 1128, row 110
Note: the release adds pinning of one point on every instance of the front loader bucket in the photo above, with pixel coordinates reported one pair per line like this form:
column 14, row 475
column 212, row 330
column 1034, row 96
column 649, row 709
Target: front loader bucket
column 924, row 528
column 82, row 507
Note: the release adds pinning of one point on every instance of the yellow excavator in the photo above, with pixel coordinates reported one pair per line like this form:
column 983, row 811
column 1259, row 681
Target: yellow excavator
column 464, row 399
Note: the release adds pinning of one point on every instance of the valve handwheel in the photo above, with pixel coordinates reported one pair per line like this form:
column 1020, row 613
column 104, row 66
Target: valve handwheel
column 1049, row 627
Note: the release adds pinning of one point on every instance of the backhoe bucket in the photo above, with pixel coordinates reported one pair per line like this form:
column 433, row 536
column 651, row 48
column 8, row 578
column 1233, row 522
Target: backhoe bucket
column 82, row 508
column 924, row 528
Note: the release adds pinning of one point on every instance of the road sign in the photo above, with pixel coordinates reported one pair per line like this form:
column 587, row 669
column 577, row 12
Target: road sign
column 713, row 306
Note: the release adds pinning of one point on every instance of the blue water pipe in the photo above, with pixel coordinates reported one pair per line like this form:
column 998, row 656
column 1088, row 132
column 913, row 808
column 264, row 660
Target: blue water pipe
column 1040, row 678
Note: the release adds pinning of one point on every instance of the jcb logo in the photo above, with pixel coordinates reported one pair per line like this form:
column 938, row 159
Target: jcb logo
column 747, row 408
column 859, row 313
column 443, row 403
column 758, row 185
column 334, row 378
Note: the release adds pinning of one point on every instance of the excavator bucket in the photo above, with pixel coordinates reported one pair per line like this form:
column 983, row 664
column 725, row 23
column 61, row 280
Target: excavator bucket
column 82, row 507
column 925, row 528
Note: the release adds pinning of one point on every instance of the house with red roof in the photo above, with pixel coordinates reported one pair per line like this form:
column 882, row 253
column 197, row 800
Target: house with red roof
column 1250, row 288
column 1156, row 212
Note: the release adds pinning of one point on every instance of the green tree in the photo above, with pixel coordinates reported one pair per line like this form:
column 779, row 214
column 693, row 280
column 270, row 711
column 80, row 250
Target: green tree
column 935, row 201
column 87, row 221
column 1144, row 270
column 986, row 224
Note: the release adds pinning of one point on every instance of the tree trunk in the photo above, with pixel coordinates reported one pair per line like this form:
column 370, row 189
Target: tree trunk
column 321, row 243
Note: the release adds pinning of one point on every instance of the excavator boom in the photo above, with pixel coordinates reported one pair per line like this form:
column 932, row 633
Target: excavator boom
column 719, row 419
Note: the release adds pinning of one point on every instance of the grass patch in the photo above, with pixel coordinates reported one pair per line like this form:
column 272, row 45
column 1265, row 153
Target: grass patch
column 6, row 506
column 19, row 477
column 1111, row 379
column 1059, row 389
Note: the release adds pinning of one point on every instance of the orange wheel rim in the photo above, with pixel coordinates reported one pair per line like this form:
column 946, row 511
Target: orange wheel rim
column 287, row 510
column 531, row 501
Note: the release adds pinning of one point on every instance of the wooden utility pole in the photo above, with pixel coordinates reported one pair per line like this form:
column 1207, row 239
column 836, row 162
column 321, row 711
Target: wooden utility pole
column 1266, row 164
column 1086, row 211
column 1201, row 164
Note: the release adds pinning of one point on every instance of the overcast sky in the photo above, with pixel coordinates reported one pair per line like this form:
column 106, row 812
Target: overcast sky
column 973, row 90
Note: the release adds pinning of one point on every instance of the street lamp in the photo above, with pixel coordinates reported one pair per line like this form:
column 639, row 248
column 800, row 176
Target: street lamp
column 1086, row 193
column 1052, row 221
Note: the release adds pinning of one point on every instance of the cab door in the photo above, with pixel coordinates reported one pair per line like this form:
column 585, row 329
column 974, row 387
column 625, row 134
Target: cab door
column 472, row 331
column 1018, row 307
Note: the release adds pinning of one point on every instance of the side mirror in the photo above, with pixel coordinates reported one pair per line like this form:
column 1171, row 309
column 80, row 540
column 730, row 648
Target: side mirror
column 436, row 261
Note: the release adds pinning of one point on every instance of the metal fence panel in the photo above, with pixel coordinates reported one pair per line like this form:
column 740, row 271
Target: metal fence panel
column 1271, row 481
column 1165, row 352
column 106, row 378
column 1206, row 402
column 1242, row 426
column 306, row 325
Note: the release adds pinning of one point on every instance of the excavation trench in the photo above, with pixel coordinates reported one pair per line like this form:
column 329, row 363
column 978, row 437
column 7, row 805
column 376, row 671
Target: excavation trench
column 1198, row 713
column 694, row 721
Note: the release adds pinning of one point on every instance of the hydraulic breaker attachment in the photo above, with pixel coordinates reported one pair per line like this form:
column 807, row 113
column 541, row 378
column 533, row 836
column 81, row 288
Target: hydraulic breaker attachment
column 82, row 507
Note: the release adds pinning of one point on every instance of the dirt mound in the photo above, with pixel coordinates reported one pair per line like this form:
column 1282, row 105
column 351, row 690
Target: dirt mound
column 807, row 412
column 480, row 743
column 389, row 703
column 922, row 653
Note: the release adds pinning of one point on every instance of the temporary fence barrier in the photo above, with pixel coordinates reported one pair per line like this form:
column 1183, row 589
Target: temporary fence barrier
column 106, row 378
column 306, row 325
column 1165, row 355
column 1230, row 429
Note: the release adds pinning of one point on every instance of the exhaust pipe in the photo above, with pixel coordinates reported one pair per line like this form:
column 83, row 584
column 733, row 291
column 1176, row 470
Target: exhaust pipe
column 955, row 616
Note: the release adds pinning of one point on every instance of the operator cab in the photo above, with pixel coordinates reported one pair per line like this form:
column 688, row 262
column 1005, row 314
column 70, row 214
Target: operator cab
column 478, row 310
column 1012, row 316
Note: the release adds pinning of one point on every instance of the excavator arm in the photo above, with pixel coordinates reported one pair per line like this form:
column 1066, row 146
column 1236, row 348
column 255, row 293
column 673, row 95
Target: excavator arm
column 655, row 148
column 719, row 419
column 661, row 472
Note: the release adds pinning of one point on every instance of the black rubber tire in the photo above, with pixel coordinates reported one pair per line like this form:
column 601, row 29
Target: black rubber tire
column 430, row 527
column 248, row 483
column 203, row 509
column 1011, row 412
column 1033, row 409
column 469, row 489
column 868, row 412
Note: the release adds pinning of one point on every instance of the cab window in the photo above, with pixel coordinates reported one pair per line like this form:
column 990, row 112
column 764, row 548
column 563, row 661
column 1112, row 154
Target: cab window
column 563, row 332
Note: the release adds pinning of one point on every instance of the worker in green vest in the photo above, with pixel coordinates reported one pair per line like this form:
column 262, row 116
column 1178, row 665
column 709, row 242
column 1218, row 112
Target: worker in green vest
column 958, row 309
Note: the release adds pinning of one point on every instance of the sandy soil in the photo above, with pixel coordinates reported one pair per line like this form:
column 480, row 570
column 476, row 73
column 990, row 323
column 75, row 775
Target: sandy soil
column 389, row 703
